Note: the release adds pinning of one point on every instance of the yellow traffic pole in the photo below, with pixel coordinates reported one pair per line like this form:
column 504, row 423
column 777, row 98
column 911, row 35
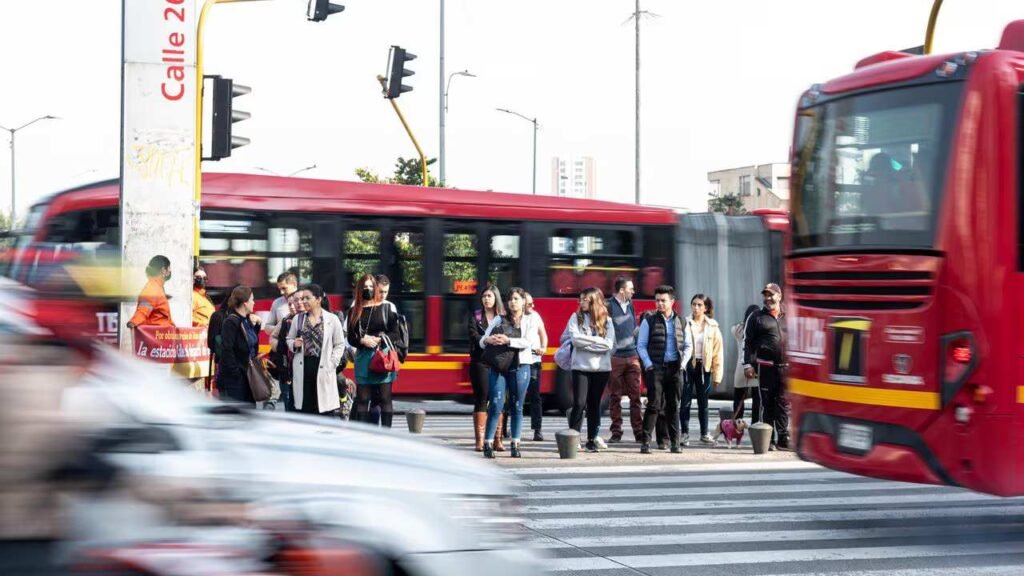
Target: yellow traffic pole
column 198, row 188
column 423, row 159
column 930, row 34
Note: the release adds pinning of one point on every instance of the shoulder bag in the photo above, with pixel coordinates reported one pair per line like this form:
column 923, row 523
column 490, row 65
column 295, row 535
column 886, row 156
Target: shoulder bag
column 260, row 381
column 385, row 357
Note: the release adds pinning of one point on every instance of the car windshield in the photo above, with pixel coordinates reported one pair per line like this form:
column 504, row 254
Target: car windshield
column 870, row 168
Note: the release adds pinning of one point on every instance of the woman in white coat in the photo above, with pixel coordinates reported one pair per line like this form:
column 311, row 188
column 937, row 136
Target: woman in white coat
column 318, row 341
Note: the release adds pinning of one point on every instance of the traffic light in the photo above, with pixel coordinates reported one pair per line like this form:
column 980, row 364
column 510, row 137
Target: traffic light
column 319, row 10
column 398, row 71
column 218, row 98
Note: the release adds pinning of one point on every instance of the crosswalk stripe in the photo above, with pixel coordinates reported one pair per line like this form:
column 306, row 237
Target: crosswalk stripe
column 632, row 480
column 716, row 536
column 772, row 556
column 692, row 492
column 656, row 469
column 996, row 509
column 790, row 503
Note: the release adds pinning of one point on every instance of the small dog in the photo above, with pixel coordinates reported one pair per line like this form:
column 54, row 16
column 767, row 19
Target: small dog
column 732, row 430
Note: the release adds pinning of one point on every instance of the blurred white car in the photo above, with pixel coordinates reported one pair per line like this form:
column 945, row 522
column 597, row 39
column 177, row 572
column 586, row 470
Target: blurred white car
column 424, row 509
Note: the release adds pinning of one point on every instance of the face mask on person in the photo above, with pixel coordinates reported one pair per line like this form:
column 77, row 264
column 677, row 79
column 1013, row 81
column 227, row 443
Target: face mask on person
column 367, row 294
column 199, row 282
column 167, row 277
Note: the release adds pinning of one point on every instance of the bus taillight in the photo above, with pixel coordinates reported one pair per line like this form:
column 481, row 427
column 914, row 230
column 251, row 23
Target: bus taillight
column 958, row 359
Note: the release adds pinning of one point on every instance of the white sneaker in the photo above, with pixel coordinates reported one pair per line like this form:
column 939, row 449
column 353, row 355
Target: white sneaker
column 684, row 439
column 600, row 443
column 706, row 439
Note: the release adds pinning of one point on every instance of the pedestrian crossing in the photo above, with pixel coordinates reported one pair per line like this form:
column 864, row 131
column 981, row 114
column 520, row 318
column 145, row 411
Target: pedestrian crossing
column 775, row 518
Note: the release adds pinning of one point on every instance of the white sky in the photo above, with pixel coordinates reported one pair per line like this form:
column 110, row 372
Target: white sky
column 720, row 80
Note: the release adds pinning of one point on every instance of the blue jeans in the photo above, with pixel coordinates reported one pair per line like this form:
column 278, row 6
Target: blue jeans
column 516, row 382
column 698, row 382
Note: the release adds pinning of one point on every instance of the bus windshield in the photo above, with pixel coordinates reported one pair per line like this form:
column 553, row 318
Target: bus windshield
column 870, row 168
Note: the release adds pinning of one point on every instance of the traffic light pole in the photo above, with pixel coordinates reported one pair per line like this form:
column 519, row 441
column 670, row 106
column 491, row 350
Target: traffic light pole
column 423, row 159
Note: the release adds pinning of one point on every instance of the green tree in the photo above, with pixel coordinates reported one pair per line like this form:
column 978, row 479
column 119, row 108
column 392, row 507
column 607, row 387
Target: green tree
column 408, row 171
column 730, row 204
column 5, row 221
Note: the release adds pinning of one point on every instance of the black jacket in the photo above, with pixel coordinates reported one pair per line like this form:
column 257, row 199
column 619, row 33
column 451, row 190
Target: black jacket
column 232, row 380
column 374, row 321
column 476, row 327
column 764, row 338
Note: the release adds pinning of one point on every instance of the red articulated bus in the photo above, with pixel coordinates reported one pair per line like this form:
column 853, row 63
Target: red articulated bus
column 906, row 269
column 437, row 246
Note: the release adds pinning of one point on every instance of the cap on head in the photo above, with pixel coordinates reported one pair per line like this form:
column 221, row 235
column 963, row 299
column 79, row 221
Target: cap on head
column 772, row 288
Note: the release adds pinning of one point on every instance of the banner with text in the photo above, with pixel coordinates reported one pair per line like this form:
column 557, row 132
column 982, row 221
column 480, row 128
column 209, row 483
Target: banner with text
column 184, row 348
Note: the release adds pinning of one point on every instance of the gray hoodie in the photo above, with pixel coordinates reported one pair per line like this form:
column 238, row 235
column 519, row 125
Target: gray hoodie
column 590, row 352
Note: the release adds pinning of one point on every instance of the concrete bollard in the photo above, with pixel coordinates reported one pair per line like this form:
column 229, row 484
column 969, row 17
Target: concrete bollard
column 568, row 443
column 415, row 418
column 760, row 437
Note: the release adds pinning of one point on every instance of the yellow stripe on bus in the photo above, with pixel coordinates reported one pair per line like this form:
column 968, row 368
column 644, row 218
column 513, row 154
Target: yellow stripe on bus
column 870, row 396
column 858, row 325
column 1020, row 394
column 419, row 365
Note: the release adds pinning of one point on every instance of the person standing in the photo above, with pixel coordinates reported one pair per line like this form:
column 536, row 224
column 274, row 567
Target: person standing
column 539, row 345
column 202, row 306
column 625, row 376
column 664, row 348
column 239, row 341
column 742, row 386
column 517, row 330
column 704, row 368
column 370, row 320
column 764, row 359
column 287, row 284
column 491, row 307
column 316, row 338
column 154, row 309
column 282, row 354
column 592, row 334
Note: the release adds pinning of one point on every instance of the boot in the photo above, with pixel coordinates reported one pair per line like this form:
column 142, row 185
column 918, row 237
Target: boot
column 498, row 446
column 479, row 423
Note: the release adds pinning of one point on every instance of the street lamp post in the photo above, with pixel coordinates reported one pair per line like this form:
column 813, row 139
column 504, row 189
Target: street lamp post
column 12, row 132
column 444, row 113
column 534, row 122
column 275, row 173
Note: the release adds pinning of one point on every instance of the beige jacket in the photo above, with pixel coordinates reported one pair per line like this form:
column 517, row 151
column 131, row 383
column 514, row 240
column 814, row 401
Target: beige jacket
column 714, row 348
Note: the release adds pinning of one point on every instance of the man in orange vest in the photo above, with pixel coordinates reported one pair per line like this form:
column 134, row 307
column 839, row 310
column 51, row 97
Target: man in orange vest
column 154, row 308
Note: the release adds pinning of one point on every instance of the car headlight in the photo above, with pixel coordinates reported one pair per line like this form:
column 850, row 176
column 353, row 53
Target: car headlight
column 496, row 521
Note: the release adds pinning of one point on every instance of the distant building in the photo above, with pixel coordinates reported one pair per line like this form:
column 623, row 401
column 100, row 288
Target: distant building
column 760, row 186
column 573, row 177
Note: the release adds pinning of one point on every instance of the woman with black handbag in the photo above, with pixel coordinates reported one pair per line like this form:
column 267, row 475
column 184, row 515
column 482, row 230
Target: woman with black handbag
column 479, row 373
column 318, row 343
column 507, row 350
column 239, row 343
column 373, row 330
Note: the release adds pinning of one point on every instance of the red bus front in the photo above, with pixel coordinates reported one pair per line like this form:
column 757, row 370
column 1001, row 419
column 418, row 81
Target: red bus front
column 905, row 272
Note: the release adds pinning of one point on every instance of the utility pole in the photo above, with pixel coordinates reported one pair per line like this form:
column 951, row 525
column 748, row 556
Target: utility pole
column 636, row 121
column 441, row 105
column 635, row 17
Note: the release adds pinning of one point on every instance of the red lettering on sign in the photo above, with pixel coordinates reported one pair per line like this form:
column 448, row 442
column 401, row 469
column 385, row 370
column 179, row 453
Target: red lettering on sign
column 172, row 96
column 174, row 54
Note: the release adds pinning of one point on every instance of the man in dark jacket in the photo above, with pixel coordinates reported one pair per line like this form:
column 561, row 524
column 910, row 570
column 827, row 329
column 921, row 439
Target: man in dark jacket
column 764, row 348
column 664, row 347
column 625, row 378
